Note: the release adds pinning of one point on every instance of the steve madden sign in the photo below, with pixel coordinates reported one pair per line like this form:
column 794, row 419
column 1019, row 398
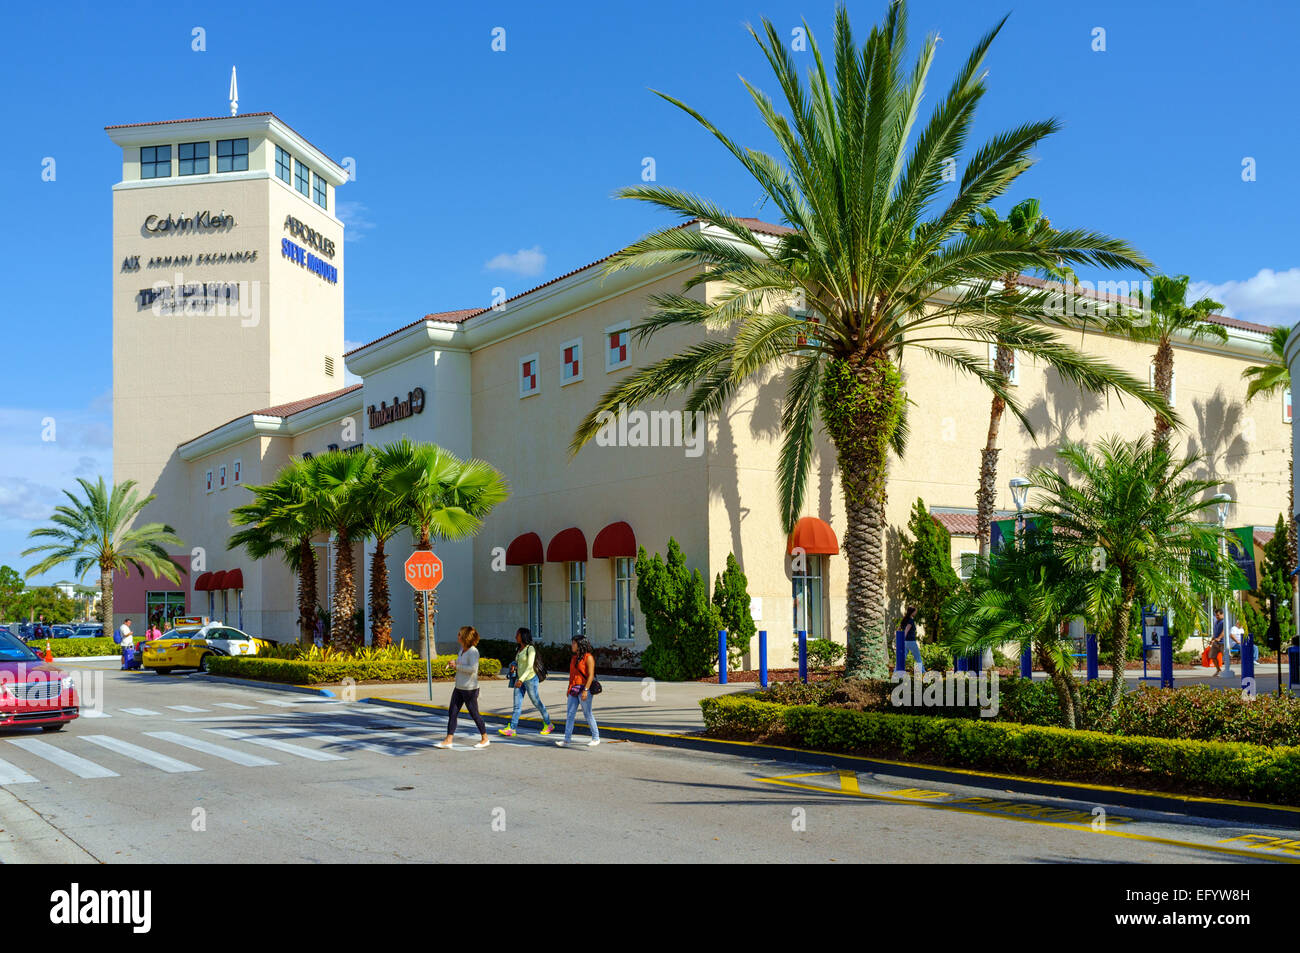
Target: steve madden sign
column 309, row 236
column 198, row 222
column 398, row 410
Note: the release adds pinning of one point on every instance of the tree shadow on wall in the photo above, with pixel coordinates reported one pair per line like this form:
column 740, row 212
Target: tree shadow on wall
column 1217, row 439
column 896, row 570
column 1061, row 413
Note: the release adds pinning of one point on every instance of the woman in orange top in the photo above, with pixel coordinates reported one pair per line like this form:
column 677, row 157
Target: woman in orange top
column 582, row 673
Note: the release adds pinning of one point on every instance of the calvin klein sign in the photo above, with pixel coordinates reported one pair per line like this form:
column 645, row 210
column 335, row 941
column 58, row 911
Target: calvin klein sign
column 198, row 222
column 398, row 410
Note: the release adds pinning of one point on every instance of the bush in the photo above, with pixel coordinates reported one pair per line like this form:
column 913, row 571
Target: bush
column 1212, row 768
column 312, row 653
column 325, row 671
column 731, row 598
column 935, row 657
column 822, row 653
column 679, row 618
column 1208, row 714
column 71, row 648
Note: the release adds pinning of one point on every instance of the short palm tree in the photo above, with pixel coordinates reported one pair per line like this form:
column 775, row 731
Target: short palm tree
column 95, row 530
column 381, row 521
column 1269, row 380
column 440, row 497
column 872, row 247
column 1128, row 517
column 334, row 504
column 275, row 524
column 1165, row 316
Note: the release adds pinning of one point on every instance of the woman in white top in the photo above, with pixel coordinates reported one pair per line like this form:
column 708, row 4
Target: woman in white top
column 466, row 690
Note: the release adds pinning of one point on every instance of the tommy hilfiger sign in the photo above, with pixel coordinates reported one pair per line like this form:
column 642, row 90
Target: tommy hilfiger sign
column 398, row 410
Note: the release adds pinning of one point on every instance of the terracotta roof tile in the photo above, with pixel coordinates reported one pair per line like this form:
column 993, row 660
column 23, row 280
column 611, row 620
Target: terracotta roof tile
column 962, row 523
column 284, row 410
column 447, row 317
column 169, row 122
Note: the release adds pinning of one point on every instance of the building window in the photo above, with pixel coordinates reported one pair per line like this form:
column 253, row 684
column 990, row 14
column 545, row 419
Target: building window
column 161, row 608
column 572, row 356
column 528, row 377
column 1286, row 406
column 302, row 178
column 212, row 604
column 319, row 191
column 1013, row 376
column 209, row 479
column 232, row 155
column 329, row 366
column 809, row 318
column 156, row 162
column 192, row 158
column 535, row 600
column 967, row 560
column 808, row 597
column 624, row 613
column 617, row 346
column 234, row 472
column 221, row 476
column 283, row 169
column 1173, row 383
column 577, row 599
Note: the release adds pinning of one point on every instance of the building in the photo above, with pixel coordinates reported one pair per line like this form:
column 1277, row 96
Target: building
column 240, row 395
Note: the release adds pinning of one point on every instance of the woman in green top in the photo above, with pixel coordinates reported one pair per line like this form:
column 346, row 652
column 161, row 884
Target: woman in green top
column 526, row 681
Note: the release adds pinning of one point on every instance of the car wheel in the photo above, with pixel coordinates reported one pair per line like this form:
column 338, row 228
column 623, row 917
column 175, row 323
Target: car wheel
column 59, row 727
column 203, row 662
column 163, row 671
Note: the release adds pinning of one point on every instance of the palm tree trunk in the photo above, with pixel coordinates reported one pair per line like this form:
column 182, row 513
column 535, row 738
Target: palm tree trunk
column 106, row 602
column 862, row 400
column 422, row 632
column 1118, row 639
column 987, row 491
column 1164, row 363
column 306, row 592
column 342, row 628
column 381, row 620
column 1064, row 700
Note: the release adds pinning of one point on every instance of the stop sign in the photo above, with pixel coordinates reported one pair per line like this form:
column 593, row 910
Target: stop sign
column 423, row 571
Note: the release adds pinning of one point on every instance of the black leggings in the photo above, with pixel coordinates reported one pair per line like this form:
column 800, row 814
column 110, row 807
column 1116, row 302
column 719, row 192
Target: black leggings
column 468, row 698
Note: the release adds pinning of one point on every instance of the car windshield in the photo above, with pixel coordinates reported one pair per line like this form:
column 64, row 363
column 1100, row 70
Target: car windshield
column 13, row 650
column 189, row 632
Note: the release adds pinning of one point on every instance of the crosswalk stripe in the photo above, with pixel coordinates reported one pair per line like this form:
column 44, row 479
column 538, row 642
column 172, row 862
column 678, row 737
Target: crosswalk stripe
column 234, row 705
column 217, row 751
column 187, row 708
column 137, row 753
column 139, row 711
column 10, row 774
column 313, row 735
column 277, row 745
column 93, row 713
column 81, row 767
column 280, row 702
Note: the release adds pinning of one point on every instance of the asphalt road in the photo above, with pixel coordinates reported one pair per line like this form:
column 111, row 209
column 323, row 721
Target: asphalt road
column 179, row 769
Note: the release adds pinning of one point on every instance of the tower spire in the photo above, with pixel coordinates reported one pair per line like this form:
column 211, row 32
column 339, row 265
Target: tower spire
column 234, row 93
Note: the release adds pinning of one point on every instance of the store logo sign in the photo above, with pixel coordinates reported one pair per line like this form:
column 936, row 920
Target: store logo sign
column 317, row 266
column 309, row 236
column 198, row 222
column 398, row 410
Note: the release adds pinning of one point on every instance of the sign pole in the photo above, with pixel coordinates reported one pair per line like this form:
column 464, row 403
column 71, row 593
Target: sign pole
column 428, row 663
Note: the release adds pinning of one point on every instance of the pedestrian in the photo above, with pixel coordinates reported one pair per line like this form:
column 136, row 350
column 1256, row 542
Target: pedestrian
column 318, row 636
column 1216, row 642
column 582, row 685
column 127, row 641
column 1236, row 639
column 39, row 631
column 526, row 681
column 466, row 690
column 154, row 632
column 911, row 646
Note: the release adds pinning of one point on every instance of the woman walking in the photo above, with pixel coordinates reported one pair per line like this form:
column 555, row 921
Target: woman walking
column 526, row 680
column 466, row 690
column 911, row 646
column 582, row 674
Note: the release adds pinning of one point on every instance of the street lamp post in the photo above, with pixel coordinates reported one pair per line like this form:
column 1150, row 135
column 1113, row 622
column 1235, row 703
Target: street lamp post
column 1224, row 501
column 1019, row 491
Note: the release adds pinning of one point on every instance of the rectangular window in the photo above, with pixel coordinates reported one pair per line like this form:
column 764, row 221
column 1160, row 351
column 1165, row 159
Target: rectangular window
column 209, row 480
column 193, row 158
column 808, row 317
column 809, row 598
column 156, row 162
column 232, row 155
column 221, row 476
column 571, row 352
column 617, row 341
column 535, row 601
column 624, row 587
column 319, row 191
column 234, row 473
column 283, row 167
column 302, row 178
column 577, row 599
column 1286, row 406
column 966, row 563
column 528, row 377
column 1013, row 376
column 161, row 608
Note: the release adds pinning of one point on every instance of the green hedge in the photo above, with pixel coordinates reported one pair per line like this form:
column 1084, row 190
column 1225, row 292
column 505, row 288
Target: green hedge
column 1194, row 767
column 72, row 648
column 296, row 672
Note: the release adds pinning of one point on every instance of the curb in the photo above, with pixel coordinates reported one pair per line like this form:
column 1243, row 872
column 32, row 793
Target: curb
column 270, row 686
column 1275, row 815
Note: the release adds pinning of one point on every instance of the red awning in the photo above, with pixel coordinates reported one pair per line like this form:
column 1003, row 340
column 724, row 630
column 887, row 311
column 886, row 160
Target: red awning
column 615, row 541
column 203, row 583
column 567, row 546
column 218, row 581
column 234, row 579
column 815, row 537
column 525, row 550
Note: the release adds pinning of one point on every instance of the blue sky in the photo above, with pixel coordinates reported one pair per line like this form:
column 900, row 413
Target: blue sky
column 478, row 169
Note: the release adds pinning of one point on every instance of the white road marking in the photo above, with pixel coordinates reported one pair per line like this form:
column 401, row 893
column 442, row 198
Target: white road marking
column 144, row 755
column 240, row 717
column 93, row 713
column 139, row 711
column 217, row 751
column 279, row 702
column 187, row 708
column 312, row 735
column 234, row 705
column 9, row 774
column 276, row 744
column 78, row 765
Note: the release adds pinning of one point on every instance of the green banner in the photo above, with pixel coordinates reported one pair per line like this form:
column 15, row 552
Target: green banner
column 1244, row 553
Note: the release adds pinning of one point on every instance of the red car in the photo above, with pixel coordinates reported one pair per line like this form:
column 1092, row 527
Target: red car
column 31, row 692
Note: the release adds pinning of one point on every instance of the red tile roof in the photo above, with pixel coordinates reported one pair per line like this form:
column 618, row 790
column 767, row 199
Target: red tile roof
column 285, row 410
column 962, row 523
column 172, row 122
column 447, row 317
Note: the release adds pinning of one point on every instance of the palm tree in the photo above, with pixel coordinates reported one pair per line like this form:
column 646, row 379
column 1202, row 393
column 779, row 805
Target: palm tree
column 1268, row 380
column 886, row 267
column 96, row 530
column 275, row 524
column 381, row 521
column 439, row 496
column 1129, row 518
column 333, row 504
column 1166, row 316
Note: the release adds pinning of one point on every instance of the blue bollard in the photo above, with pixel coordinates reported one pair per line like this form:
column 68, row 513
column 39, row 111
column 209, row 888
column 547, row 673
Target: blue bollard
column 803, row 656
column 960, row 663
column 1166, row 661
column 722, row 656
column 1248, row 664
column 900, row 652
column 1293, row 666
column 1091, row 643
column 762, row 657
column 1027, row 664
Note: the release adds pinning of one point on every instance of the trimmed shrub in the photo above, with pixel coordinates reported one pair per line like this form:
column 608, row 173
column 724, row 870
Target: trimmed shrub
column 731, row 598
column 303, row 672
column 822, row 653
column 71, row 648
column 681, row 622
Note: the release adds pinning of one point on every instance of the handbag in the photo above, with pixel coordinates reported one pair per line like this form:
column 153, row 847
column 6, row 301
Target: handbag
column 595, row 688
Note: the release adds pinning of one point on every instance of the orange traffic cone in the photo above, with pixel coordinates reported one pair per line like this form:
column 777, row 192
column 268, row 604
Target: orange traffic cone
column 49, row 656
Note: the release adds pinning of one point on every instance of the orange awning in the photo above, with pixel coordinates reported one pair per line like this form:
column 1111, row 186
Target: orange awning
column 525, row 550
column 815, row 537
column 615, row 541
column 567, row 546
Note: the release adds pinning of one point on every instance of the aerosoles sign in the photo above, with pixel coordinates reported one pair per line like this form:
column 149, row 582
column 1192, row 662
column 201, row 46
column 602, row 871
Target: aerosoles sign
column 309, row 236
column 398, row 410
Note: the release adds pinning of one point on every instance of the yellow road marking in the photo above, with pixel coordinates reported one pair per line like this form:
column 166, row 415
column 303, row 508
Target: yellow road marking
column 849, row 782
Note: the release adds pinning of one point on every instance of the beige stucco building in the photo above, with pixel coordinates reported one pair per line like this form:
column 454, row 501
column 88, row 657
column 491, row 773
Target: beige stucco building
column 509, row 384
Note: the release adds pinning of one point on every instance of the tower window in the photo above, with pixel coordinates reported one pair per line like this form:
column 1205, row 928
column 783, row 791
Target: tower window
column 319, row 191
column 193, row 158
column 232, row 155
column 282, row 166
column 302, row 178
column 156, row 162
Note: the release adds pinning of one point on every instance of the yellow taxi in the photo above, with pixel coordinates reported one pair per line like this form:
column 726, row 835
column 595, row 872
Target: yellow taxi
column 191, row 645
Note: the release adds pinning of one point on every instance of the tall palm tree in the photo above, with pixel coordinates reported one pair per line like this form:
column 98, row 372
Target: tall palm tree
column 1166, row 316
column 381, row 521
column 334, row 503
column 275, row 524
column 95, row 530
column 1128, row 517
column 871, row 248
column 1269, row 380
column 439, row 496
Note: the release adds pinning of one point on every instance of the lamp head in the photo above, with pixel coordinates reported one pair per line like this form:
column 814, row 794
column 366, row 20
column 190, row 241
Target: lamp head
column 1019, row 491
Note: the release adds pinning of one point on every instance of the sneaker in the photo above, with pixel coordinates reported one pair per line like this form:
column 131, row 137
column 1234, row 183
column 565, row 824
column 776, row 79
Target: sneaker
column 547, row 730
column 508, row 732
column 593, row 742
column 482, row 744
column 443, row 744
column 561, row 744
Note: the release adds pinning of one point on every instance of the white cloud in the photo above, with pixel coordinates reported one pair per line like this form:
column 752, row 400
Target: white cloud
column 527, row 262
column 1269, row 297
column 356, row 222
